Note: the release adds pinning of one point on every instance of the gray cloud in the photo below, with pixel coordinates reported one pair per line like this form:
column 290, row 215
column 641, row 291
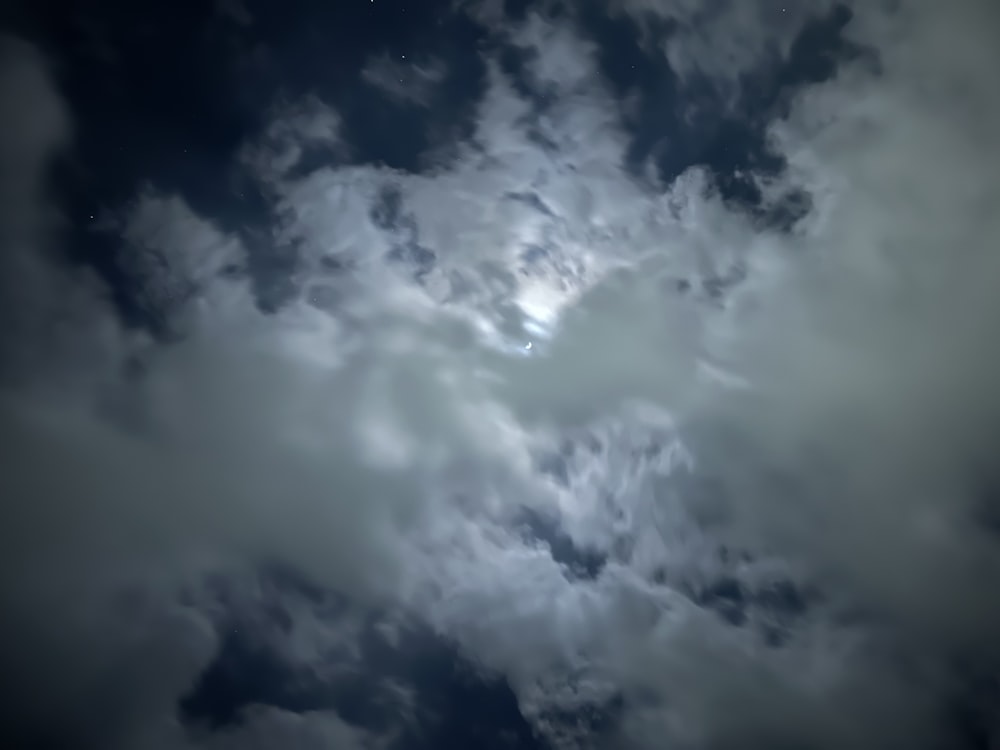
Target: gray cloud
column 38, row 297
column 36, row 127
column 293, row 130
column 879, row 343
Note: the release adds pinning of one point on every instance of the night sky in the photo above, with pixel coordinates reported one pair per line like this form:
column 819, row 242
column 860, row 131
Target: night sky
column 170, row 96
column 610, row 374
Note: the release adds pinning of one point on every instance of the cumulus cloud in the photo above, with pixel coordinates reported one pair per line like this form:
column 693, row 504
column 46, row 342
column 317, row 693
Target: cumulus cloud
column 874, row 347
column 721, row 412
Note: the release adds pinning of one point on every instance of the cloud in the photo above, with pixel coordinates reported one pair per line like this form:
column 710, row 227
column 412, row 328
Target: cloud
column 722, row 412
column 876, row 341
column 404, row 81
column 36, row 127
column 864, row 338
column 294, row 130
column 723, row 41
column 178, row 266
column 38, row 297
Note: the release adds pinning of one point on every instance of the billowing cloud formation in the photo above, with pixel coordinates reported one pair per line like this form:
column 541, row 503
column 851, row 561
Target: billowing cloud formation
column 724, row 415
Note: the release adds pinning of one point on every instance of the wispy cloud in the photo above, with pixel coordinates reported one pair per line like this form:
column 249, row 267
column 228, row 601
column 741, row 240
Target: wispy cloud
column 404, row 81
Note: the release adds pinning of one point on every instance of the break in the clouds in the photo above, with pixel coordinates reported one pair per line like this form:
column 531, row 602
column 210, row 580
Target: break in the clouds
column 672, row 474
column 722, row 42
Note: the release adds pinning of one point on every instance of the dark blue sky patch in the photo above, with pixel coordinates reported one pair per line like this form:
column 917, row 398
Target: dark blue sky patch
column 415, row 257
column 685, row 123
column 597, row 723
column 726, row 597
column 458, row 704
column 972, row 708
column 774, row 608
column 168, row 93
column 387, row 210
column 533, row 200
column 412, row 135
column 578, row 562
column 517, row 10
column 151, row 91
column 514, row 62
column 273, row 273
column 389, row 214
column 243, row 675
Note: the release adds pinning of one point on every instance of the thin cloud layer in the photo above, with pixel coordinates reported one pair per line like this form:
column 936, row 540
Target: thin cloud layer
column 38, row 299
column 725, row 415
column 408, row 82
